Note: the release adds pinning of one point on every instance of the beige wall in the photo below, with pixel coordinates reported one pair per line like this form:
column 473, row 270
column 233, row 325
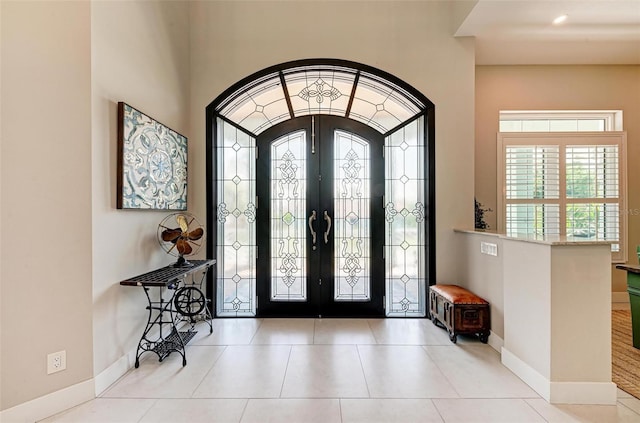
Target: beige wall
column 65, row 65
column 557, row 87
column 411, row 40
column 85, row 57
column 140, row 55
column 46, row 196
column 550, row 292
column 1, row 213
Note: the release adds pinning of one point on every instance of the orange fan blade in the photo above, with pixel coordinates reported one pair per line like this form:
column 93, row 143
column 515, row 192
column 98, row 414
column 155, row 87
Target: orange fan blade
column 171, row 235
column 182, row 221
column 196, row 234
column 183, row 247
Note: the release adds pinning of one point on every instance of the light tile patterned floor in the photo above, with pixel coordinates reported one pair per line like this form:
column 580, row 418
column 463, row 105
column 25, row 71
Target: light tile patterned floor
column 330, row 370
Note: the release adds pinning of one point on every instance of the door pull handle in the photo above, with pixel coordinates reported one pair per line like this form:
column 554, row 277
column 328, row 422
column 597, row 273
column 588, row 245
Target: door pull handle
column 328, row 220
column 313, row 233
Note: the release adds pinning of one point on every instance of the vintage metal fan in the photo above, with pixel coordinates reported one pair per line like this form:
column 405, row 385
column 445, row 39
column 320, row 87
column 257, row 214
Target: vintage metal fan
column 181, row 234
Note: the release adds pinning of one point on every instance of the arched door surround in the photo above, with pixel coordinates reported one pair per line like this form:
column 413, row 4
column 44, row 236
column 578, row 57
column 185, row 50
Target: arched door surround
column 320, row 193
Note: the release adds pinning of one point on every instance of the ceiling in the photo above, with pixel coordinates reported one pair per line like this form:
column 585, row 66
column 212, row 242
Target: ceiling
column 521, row 31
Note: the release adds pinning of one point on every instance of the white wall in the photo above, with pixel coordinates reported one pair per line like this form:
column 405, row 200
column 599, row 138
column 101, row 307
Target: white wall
column 46, row 196
column 139, row 55
column 411, row 40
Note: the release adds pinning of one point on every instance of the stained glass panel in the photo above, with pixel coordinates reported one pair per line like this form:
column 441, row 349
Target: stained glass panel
column 236, row 215
column 352, row 218
column 381, row 105
column 405, row 221
column 261, row 106
column 325, row 89
column 288, row 218
column 315, row 91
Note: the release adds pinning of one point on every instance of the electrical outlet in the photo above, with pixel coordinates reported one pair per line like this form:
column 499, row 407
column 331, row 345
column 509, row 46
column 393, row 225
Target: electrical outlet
column 489, row 248
column 56, row 362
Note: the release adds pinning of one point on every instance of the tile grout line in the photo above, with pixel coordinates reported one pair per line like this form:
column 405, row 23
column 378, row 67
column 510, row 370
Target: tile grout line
column 286, row 369
column 437, row 410
column 148, row 409
column 244, row 409
column 204, row 377
column 256, row 332
column 435, row 363
column 313, row 336
column 364, row 374
column 372, row 332
column 534, row 409
column 626, row 406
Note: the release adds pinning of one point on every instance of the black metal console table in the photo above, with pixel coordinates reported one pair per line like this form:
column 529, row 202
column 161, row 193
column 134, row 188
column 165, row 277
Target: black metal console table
column 185, row 306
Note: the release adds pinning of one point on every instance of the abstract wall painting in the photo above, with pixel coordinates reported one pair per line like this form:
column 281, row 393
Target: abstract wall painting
column 152, row 163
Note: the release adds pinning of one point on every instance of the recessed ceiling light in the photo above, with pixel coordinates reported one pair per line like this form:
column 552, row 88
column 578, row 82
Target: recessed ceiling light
column 560, row 19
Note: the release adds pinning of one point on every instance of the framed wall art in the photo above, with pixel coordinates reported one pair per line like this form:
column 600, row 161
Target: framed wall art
column 152, row 163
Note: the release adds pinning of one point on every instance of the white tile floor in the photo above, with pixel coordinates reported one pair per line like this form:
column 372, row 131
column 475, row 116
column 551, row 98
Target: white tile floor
column 330, row 370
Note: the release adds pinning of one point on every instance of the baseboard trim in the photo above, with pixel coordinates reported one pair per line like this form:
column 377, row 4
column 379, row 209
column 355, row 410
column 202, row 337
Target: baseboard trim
column 50, row 404
column 111, row 374
column 495, row 341
column 600, row 393
column 528, row 374
column 63, row 399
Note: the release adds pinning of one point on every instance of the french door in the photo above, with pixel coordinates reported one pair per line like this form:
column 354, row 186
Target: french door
column 320, row 219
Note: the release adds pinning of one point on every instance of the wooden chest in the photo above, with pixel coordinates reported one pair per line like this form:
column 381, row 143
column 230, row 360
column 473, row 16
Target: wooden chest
column 460, row 311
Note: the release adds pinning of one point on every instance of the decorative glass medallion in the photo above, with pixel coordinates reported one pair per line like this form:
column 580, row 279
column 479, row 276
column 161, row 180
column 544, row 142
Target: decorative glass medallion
column 288, row 233
column 324, row 91
column 352, row 218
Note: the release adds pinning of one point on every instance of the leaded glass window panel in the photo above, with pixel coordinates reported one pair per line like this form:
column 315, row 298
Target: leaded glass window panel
column 288, row 218
column 259, row 107
column 352, row 196
column 380, row 105
column 405, row 221
column 325, row 89
column 236, row 215
column 360, row 134
column 319, row 91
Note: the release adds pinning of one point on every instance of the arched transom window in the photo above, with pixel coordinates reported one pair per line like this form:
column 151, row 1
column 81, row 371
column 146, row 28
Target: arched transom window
column 320, row 193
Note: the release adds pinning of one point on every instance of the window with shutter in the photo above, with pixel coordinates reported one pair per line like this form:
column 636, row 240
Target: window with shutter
column 569, row 184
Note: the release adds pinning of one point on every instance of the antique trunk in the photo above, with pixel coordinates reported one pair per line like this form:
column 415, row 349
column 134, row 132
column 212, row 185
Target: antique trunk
column 460, row 311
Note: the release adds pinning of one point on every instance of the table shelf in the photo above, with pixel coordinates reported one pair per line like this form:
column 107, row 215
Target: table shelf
column 186, row 306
